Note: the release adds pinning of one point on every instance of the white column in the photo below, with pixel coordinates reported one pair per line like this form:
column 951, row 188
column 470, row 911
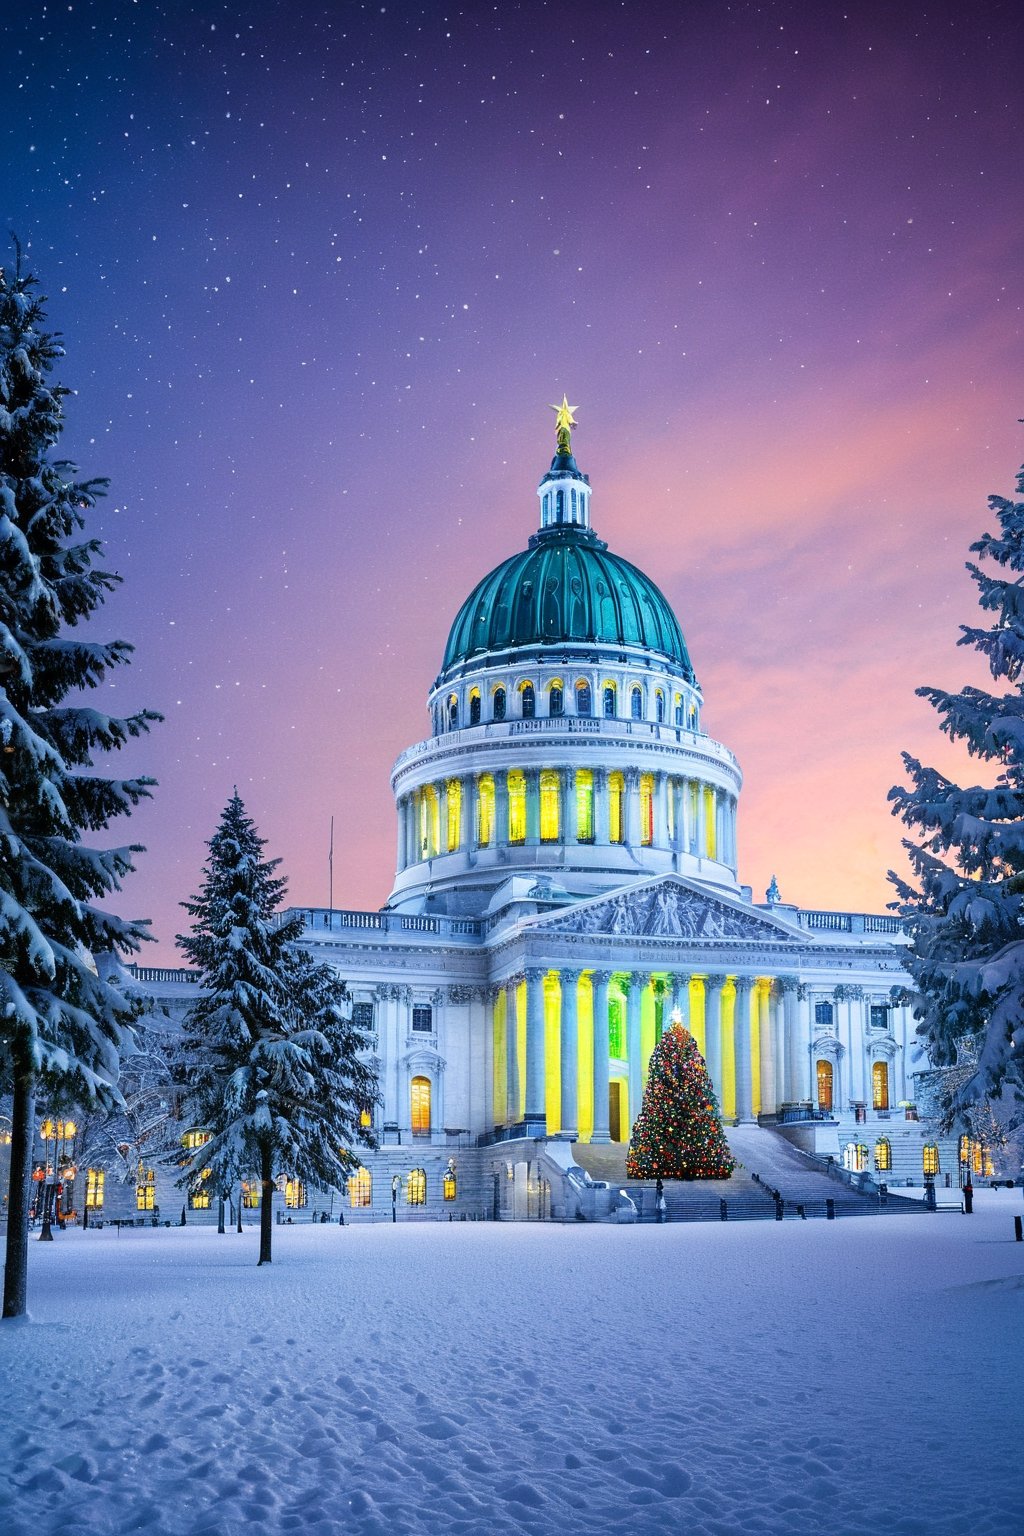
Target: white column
column 634, row 986
column 713, row 1032
column 501, row 809
column 791, row 1030
column 400, row 852
column 744, row 1081
column 535, row 1111
column 467, row 816
column 601, row 1131
column 766, row 1052
column 569, row 1050
column 702, row 821
column 442, row 816
column 511, row 1052
column 568, row 829
column 600, row 808
column 632, row 806
column 661, row 837
column 532, row 776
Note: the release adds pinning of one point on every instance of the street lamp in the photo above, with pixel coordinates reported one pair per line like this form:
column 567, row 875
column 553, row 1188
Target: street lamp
column 59, row 1132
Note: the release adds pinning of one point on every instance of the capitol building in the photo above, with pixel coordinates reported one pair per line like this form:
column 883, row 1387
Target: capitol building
column 566, row 881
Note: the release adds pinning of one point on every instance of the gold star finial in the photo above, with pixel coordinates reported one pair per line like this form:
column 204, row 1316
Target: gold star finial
column 564, row 423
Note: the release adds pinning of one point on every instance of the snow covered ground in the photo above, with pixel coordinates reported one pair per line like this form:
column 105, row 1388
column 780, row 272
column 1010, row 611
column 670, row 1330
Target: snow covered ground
column 859, row 1376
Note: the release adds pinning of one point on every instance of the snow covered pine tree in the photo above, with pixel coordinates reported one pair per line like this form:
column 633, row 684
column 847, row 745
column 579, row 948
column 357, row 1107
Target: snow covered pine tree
column 965, row 913
column 61, row 1023
column 678, row 1132
column 271, row 1068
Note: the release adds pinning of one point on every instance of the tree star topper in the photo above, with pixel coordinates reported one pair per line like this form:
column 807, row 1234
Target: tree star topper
column 564, row 423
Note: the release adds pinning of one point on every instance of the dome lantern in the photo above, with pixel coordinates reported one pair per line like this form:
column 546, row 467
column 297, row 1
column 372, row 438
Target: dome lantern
column 564, row 492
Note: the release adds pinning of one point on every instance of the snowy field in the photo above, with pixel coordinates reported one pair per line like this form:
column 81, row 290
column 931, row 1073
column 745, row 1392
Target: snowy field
column 859, row 1376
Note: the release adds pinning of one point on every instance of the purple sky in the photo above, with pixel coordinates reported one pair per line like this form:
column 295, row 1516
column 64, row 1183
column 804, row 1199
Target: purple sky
column 320, row 270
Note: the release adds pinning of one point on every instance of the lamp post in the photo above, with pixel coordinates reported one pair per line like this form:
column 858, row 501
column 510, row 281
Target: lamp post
column 59, row 1132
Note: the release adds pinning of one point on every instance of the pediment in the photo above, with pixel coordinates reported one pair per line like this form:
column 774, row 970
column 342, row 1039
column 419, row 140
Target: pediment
column 668, row 908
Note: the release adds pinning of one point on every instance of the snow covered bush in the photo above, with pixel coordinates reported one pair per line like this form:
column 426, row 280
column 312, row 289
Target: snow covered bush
column 61, row 1021
column 271, row 1070
column 965, row 911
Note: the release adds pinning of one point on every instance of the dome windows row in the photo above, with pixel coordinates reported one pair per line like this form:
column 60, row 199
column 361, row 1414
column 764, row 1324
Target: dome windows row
column 634, row 701
column 532, row 806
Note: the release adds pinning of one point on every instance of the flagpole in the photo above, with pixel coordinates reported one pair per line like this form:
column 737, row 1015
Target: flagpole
column 330, row 870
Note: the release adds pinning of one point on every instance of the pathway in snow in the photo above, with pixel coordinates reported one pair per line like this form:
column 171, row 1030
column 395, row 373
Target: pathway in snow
column 857, row 1377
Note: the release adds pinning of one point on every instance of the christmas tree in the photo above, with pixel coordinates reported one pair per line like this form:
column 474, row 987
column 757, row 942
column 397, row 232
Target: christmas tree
column 678, row 1133
column 964, row 908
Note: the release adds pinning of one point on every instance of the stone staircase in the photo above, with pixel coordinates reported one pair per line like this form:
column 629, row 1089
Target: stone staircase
column 804, row 1186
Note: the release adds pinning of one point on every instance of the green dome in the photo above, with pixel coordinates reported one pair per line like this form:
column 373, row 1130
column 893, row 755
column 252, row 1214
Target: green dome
column 566, row 588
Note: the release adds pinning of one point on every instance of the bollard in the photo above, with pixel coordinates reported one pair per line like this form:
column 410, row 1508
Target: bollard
column 929, row 1195
column 830, row 1210
column 1018, row 1229
column 968, row 1199
column 723, row 1210
column 801, row 1212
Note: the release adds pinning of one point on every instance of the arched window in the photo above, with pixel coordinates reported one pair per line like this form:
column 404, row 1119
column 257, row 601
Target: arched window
column 416, row 1186
column 608, row 701
column 556, row 699
column 647, row 809
column 419, row 1101
column 679, row 709
column 498, row 710
column 616, row 786
column 485, row 811
column 930, row 1158
column 824, row 1076
column 584, row 805
column 560, row 504
column 454, row 826
column 430, row 822
column 659, row 707
column 516, row 806
column 883, row 1155
column 584, row 702
column 879, row 1085
column 453, row 712
column 528, row 700
column 636, row 704
column 360, row 1189
column 95, row 1179
column 855, row 1157
column 550, row 797
column 474, row 707
column 449, row 1184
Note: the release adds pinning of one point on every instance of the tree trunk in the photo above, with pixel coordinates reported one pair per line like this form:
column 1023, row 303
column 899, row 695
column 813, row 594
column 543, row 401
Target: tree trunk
column 266, row 1204
column 19, row 1199
column 220, row 1215
column 241, row 1196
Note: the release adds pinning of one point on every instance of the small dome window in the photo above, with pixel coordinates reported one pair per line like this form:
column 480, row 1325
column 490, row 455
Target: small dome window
column 474, row 707
column 584, row 702
column 528, row 700
column 556, row 699
column 453, row 712
column 659, row 707
column 499, row 704
column 636, row 704
column 609, row 701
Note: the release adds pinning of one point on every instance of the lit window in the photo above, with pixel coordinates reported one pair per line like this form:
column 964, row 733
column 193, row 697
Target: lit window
column 485, row 811
column 977, row 1157
column 584, row 805
column 453, row 712
column 965, row 1149
column 930, row 1158
column 862, row 1157
column 94, row 1181
column 647, row 809
column 449, row 1184
column 550, row 794
column 528, row 700
column 419, row 1093
column 454, row 812
column 194, row 1139
column 145, row 1190
column 679, row 709
column 584, row 702
column 360, row 1189
column 199, row 1200
column 609, row 701
column 251, row 1195
column 423, row 1018
column 517, row 806
column 362, row 1016
column 416, row 1187
column 616, row 1033
column 824, row 1076
column 474, row 707
column 883, row 1155
column 556, row 699
column 855, row 1157
column 616, row 785
column 710, row 821
column 294, row 1194
column 499, row 704
column 659, row 707
column 636, row 704
column 879, row 1085
column 430, row 821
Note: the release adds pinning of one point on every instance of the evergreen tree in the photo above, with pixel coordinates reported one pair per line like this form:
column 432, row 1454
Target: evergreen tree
column 678, row 1133
column 965, row 906
column 271, row 1065
column 62, row 1022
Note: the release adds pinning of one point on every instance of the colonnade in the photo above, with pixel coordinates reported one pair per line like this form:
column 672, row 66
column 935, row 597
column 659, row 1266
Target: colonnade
column 534, row 806
column 572, row 1047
